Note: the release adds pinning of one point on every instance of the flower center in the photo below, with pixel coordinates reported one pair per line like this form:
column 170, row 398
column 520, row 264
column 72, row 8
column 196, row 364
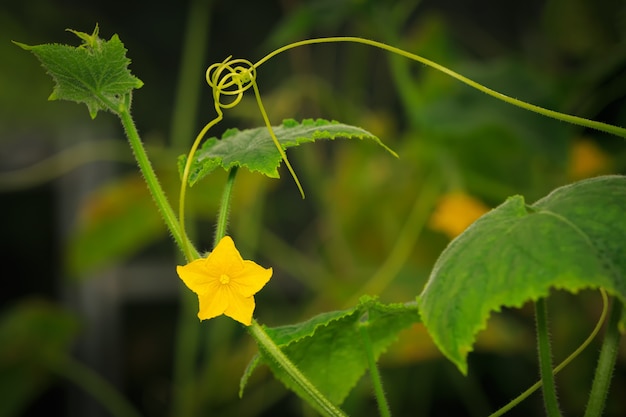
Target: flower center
column 224, row 279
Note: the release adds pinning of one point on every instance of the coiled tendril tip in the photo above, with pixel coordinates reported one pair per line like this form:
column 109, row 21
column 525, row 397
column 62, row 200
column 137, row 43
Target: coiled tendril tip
column 230, row 78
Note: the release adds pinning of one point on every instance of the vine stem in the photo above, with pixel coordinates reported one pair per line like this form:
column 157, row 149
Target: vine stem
column 581, row 121
column 513, row 403
column 545, row 359
column 606, row 362
column 150, row 177
column 273, row 352
column 381, row 398
column 187, row 344
column 222, row 216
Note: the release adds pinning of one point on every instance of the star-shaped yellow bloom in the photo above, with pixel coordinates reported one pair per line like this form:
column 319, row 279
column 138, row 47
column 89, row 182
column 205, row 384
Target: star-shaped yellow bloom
column 225, row 283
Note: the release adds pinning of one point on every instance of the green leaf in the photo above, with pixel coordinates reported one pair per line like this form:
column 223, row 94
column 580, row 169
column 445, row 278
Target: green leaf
column 571, row 239
column 32, row 333
column 255, row 150
column 328, row 349
column 95, row 73
column 115, row 222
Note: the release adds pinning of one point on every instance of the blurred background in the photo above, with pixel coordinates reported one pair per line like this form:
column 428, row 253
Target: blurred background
column 90, row 284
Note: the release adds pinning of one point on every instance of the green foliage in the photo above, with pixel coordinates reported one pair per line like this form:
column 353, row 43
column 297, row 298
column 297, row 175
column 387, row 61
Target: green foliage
column 255, row 150
column 95, row 73
column 572, row 239
column 33, row 335
column 116, row 220
column 513, row 254
column 328, row 349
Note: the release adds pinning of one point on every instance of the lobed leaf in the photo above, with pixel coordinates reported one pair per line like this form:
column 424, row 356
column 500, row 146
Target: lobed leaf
column 328, row 349
column 571, row 239
column 255, row 149
column 95, row 73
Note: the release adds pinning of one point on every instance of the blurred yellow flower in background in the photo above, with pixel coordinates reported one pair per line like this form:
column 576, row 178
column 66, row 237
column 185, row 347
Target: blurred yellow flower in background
column 587, row 160
column 225, row 283
column 454, row 212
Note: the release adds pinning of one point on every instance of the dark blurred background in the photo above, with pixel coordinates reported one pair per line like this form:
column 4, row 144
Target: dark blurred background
column 89, row 268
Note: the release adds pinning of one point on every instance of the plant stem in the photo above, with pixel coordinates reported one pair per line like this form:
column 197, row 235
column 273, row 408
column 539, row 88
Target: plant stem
column 273, row 353
column 606, row 363
column 186, row 345
column 514, row 402
column 222, row 215
column 191, row 75
column 184, row 114
column 151, row 179
column 94, row 384
column 381, row 399
column 545, row 359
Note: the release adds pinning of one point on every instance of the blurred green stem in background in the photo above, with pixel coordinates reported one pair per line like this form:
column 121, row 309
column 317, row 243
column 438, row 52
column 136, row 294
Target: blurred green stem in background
column 187, row 341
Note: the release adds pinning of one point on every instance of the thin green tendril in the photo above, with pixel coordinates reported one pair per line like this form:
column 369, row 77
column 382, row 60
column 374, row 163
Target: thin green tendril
column 228, row 80
column 581, row 121
column 233, row 77
column 571, row 357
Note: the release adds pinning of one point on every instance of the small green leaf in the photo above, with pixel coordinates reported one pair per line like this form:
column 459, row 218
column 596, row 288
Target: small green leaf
column 255, row 150
column 95, row 73
column 571, row 239
column 328, row 350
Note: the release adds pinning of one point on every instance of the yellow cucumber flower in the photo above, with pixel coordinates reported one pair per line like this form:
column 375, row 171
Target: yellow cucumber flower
column 587, row 160
column 225, row 283
column 455, row 211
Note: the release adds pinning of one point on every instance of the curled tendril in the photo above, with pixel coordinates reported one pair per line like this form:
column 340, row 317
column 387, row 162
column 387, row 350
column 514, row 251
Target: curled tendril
column 230, row 78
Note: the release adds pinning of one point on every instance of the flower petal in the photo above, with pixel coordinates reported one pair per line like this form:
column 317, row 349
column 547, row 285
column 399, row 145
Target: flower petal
column 241, row 309
column 196, row 278
column 225, row 283
column 252, row 278
column 213, row 304
column 225, row 259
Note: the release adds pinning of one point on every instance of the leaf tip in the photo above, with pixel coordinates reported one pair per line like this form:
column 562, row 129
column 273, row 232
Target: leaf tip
column 23, row 45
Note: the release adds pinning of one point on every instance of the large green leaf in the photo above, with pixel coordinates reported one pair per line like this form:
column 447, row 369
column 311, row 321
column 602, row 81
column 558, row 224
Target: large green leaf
column 255, row 149
column 328, row 348
column 95, row 73
column 572, row 239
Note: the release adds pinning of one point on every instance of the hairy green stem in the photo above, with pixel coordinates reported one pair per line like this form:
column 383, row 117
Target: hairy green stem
column 377, row 383
column 98, row 387
column 222, row 215
column 545, row 359
column 606, row 363
column 151, row 180
column 273, row 353
column 513, row 403
column 581, row 121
